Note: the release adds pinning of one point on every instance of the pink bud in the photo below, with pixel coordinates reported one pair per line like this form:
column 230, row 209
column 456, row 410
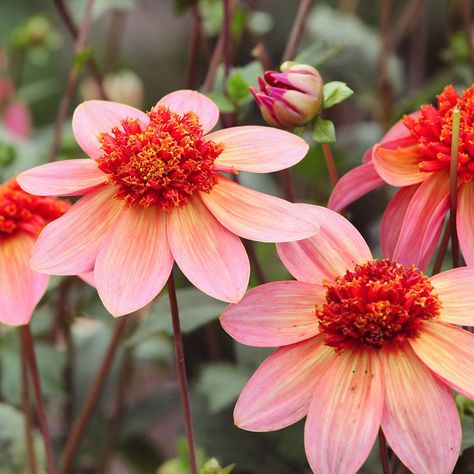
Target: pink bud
column 290, row 98
column 17, row 119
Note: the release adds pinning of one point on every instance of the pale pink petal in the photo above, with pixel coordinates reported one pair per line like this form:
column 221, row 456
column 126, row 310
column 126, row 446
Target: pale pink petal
column 353, row 185
column 420, row 419
column 193, row 101
column 275, row 314
column 134, row 261
column 20, row 288
column 62, row 178
column 393, row 217
column 211, row 257
column 258, row 216
column 465, row 221
column 398, row 167
column 93, row 117
column 69, row 245
column 449, row 352
column 344, row 414
column 423, row 221
column 279, row 392
column 88, row 278
column 258, row 149
column 455, row 290
column 336, row 248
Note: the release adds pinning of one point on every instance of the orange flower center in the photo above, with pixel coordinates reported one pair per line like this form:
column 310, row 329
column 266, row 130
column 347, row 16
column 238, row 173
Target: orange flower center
column 163, row 164
column 20, row 211
column 433, row 132
column 378, row 302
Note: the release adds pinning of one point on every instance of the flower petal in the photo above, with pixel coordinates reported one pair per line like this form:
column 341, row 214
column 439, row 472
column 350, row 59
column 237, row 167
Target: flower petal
column 258, row 216
column 337, row 247
column 258, row 149
column 69, row 245
column 353, row 185
column 20, row 288
column 399, row 132
column 275, row 314
column 211, row 257
column 454, row 288
column 423, row 221
column 426, row 443
column 344, row 414
column 127, row 278
column 193, row 101
column 398, row 167
column 465, row 222
column 448, row 351
column 62, row 178
column 279, row 392
column 393, row 217
column 93, row 117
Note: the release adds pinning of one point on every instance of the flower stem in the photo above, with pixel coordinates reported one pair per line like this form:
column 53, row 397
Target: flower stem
column 93, row 398
column 297, row 30
column 287, row 185
column 466, row 14
column 453, row 187
column 28, row 348
column 383, row 453
column 181, row 368
column 25, row 397
column 442, row 251
column 330, row 164
column 196, row 41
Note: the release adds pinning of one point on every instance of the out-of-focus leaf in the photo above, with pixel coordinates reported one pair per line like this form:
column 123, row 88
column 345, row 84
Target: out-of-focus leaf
column 221, row 385
column 318, row 53
column 335, row 92
column 158, row 349
column 224, row 104
column 237, row 87
column 324, row 131
column 260, row 22
column 467, row 433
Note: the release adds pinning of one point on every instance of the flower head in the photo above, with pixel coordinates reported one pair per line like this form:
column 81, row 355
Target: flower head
column 22, row 217
column 364, row 344
column 290, row 98
column 416, row 155
column 155, row 193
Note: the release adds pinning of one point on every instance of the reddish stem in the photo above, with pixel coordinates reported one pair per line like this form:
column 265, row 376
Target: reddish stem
column 331, row 165
column 297, row 29
column 383, row 453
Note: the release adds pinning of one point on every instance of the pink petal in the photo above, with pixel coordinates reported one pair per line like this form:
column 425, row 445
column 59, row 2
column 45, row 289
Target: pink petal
column 93, row 117
column 259, row 149
column 423, row 221
column 344, row 414
column 337, row 247
column 465, row 222
column 420, row 419
column 63, row 178
column 454, row 288
column 211, row 257
column 257, row 216
column 192, row 101
column 20, row 288
column 88, row 278
column 275, row 314
column 398, row 167
column 134, row 261
column 448, row 351
column 393, row 219
column 353, row 185
column 279, row 392
column 69, row 245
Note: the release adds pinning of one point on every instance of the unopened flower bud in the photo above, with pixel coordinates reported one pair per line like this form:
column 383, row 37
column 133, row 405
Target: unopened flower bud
column 290, row 98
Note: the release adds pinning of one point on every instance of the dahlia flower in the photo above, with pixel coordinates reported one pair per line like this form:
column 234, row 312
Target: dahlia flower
column 365, row 344
column 415, row 155
column 155, row 193
column 22, row 216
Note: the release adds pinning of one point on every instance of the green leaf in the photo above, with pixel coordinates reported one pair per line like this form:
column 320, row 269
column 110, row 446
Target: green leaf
column 335, row 92
column 324, row 131
column 237, row 87
column 224, row 104
column 467, row 433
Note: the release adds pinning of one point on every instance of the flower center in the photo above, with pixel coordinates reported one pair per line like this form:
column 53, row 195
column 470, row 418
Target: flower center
column 163, row 164
column 20, row 211
column 378, row 302
column 433, row 132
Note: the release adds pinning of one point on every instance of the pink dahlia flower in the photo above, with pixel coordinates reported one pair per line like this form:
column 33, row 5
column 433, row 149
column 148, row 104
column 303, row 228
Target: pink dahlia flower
column 22, row 216
column 154, row 193
column 364, row 344
column 415, row 155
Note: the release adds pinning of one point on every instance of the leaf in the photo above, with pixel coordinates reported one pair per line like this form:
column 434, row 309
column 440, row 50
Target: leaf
column 324, row 131
column 221, row 384
column 237, row 87
column 467, row 433
column 335, row 92
column 224, row 104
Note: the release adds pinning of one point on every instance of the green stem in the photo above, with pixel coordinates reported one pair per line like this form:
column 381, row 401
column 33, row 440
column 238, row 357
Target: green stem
column 453, row 187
